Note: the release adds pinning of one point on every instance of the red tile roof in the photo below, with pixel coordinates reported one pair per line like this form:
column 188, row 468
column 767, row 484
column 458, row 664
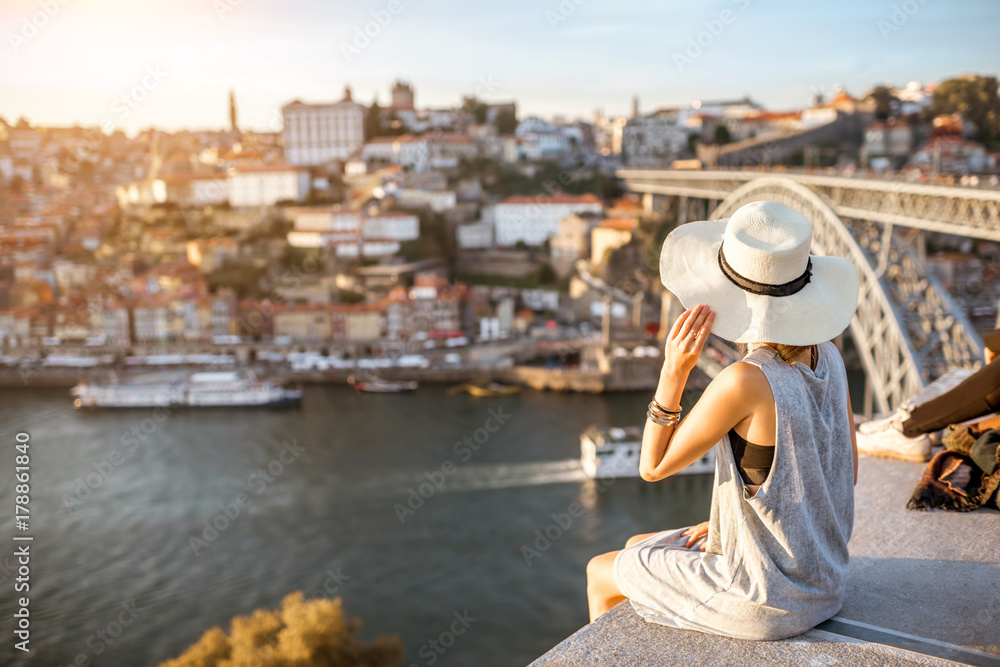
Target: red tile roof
column 621, row 224
column 554, row 199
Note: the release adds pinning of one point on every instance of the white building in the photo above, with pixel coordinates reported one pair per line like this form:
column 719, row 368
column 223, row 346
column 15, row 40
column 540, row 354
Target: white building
column 435, row 200
column 542, row 141
column 655, row 139
column 535, row 219
column 474, row 235
column 406, row 150
column 265, row 186
column 381, row 232
column 325, row 219
column 373, row 248
column 321, row 226
column 394, row 225
column 6, row 167
column 573, row 240
column 318, row 133
column 193, row 190
column 380, row 149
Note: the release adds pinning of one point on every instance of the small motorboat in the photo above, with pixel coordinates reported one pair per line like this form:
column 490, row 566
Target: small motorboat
column 486, row 388
column 377, row 385
column 492, row 389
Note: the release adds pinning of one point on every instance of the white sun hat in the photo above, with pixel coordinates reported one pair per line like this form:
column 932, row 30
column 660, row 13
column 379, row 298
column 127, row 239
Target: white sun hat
column 755, row 271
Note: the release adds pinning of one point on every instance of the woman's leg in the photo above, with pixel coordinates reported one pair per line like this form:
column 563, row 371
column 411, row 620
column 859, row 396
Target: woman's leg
column 977, row 395
column 602, row 589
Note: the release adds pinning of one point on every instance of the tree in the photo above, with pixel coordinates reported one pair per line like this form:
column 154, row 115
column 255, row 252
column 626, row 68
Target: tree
column 475, row 108
column 546, row 274
column 373, row 121
column 303, row 632
column 692, row 143
column 975, row 98
column 505, row 122
column 722, row 134
column 884, row 101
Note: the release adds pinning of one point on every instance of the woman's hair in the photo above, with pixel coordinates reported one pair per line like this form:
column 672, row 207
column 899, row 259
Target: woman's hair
column 788, row 353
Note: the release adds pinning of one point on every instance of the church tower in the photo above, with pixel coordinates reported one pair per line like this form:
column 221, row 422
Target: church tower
column 232, row 112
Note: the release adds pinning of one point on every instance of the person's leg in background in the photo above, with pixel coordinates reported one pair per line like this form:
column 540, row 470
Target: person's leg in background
column 976, row 396
column 904, row 434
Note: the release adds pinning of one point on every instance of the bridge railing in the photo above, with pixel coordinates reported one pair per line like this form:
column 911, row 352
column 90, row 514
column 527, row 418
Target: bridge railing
column 954, row 210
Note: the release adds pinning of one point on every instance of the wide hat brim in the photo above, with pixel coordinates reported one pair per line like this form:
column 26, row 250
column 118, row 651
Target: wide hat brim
column 820, row 311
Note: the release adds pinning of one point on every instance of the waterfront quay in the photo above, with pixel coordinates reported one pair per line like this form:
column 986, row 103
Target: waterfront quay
column 924, row 589
column 561, row 364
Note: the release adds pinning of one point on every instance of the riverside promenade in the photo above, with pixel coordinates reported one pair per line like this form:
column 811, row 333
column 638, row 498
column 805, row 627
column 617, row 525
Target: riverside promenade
column 924, row 589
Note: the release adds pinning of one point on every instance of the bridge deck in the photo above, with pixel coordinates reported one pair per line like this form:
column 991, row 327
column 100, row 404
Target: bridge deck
column 933, row 575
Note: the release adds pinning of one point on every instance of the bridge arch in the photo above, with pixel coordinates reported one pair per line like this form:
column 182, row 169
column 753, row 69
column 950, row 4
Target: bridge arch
column 891, row 364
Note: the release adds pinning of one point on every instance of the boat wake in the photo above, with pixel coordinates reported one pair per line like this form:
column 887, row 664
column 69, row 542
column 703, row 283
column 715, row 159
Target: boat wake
column 483, row 476
column 506, row 475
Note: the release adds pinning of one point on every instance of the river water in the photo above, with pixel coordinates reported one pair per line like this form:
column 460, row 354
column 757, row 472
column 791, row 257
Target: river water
column 120, row 499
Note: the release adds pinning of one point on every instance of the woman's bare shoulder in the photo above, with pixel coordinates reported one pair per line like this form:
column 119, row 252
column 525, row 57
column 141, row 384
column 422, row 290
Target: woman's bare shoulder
column 742, row 376
column 740, row 384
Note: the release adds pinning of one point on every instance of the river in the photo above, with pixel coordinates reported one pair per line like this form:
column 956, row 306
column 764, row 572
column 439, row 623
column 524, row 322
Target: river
column 329, row 494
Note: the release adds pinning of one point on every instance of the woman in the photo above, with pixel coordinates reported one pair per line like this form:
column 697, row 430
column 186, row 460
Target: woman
column 772, row 561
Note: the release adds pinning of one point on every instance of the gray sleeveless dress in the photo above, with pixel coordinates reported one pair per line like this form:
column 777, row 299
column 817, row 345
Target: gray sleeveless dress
column 776, row 563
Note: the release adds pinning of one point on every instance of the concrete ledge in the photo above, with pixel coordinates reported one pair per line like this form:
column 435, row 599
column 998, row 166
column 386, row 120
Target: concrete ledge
column 935, row 575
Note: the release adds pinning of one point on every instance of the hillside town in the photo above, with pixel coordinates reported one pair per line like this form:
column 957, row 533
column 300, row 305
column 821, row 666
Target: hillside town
column 466, row 236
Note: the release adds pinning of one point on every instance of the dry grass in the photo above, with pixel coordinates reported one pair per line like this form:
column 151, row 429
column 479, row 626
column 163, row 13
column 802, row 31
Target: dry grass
column 302, row 633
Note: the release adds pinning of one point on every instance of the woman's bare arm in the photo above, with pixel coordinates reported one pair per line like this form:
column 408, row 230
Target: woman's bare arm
column 728, row 400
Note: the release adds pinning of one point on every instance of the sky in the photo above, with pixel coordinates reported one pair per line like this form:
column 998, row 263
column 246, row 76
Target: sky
column 171, row 64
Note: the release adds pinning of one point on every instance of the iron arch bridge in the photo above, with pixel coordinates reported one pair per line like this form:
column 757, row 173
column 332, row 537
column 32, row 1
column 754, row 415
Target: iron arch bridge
column 907, row 329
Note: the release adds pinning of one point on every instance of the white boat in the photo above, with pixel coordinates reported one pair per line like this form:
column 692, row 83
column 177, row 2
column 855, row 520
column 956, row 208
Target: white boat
column 614, row 452
column 206, row 389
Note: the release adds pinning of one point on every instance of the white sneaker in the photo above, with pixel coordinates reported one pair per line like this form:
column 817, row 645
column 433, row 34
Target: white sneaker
column 890, row 443
column 893, row 421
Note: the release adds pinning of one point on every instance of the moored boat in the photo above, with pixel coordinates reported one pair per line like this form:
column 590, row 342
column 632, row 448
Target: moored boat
column 206, row 389
column 486, row 388
column 614, row 452
column 377, row 385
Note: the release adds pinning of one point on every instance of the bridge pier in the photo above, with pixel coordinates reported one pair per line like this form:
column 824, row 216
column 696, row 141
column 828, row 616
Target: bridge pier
column 868, row 405
column 653, row 203
column 670, row 309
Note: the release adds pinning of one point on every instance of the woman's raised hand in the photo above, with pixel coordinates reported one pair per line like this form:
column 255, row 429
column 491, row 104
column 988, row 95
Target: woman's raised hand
column 686, row 339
